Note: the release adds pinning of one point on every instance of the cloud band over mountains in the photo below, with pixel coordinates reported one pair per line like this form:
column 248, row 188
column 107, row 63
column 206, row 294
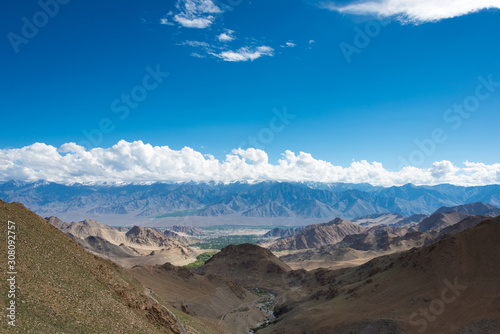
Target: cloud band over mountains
column 137, row 162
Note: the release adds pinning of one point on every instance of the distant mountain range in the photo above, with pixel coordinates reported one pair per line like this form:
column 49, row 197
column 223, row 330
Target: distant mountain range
column 261, row 200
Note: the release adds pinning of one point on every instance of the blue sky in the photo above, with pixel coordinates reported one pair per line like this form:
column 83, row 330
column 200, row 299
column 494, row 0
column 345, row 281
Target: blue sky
column 393, row 92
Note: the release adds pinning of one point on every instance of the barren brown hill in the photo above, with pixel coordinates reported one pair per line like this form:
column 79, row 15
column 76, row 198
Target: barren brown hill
column 378, row 238
column 189, row 230
column 172, row 235
column 57, row 222
column 209, row 297
column 105, row 248
column 439, row 221
column 462, row 225
column 61, row 288
column 379, row 219
column 377, row 241
column 280, row 232
column 249, row 265
column 317, row 235
column 328, row 257
column 148, row 237
column 451, row 286
column 148, row 246
column 477, row 208
column 90, row 228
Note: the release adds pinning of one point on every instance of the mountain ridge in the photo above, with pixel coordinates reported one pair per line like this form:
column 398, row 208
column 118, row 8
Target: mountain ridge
column 260, row 200
column 317, row 235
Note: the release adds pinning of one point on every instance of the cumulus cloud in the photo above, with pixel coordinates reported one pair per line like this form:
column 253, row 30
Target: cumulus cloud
column 245, row 53
column 442, row 170
column 226, row 36
column 137, row 162
column 196, row 13
column 415, row 11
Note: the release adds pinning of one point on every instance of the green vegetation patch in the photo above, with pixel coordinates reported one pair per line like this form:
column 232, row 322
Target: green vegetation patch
column 200, row 260
column 221, row 242
column 183, row 213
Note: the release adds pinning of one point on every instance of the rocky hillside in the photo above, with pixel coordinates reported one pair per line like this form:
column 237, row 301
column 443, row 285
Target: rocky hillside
column 103, row 247
column 124, row 246
column 317, row 235
column 144, row 236
column 211, row 297
column 280, row 232
column 172, row 235
column 61, row 288
column 439, row 221
column 450, row 286
column 249, row 265
column 476, row 208
column 379, row 219
column 189, row 230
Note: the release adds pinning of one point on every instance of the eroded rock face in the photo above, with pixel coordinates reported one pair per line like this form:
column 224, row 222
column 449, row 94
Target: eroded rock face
column 317, row 235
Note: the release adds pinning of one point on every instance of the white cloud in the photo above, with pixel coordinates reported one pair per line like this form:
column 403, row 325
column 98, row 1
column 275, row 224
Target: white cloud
column 442, row 170
column 137, row 162
column 165, row 21
column 289, row 44
column 200, row 23
column 245, row 53
column 196, row 44
column 197, row 55
column 415, row 11
column 196, row 13
column 242, row 54
column 311, row 41
column 226, row 36
column 204, row 48
column 202, row 14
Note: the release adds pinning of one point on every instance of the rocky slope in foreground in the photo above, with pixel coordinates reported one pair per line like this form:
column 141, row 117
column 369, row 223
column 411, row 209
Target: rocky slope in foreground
column 63, row 289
